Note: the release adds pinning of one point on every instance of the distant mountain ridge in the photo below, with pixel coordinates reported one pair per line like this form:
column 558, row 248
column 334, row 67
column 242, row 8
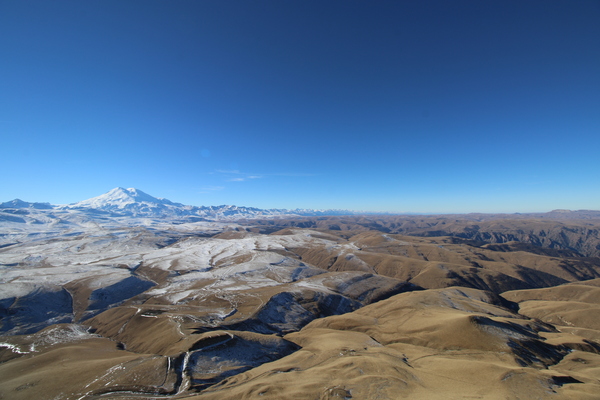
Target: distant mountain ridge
column 131, row 202
column 18, row 203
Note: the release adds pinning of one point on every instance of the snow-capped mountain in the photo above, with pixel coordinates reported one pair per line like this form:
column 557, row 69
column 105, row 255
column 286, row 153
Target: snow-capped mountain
column 131, row 202
column 119, row 198
column 18, row 203
column 135, row 203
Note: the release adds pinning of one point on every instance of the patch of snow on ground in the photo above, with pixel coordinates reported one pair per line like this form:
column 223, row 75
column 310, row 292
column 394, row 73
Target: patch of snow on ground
column 62, row 334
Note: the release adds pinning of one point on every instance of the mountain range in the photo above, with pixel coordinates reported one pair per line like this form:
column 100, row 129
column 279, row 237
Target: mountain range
column 133, row 202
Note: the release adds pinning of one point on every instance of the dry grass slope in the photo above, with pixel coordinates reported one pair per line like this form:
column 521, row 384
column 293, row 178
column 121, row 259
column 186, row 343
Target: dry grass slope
column 353, row 308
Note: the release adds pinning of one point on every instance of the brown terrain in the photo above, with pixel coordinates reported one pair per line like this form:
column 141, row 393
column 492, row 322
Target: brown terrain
column 386, row 307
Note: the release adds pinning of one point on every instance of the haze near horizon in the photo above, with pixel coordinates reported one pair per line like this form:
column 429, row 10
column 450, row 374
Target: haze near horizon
column 433, row 106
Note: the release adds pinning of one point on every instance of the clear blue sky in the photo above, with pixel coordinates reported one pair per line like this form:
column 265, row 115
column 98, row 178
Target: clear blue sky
column 420, row 106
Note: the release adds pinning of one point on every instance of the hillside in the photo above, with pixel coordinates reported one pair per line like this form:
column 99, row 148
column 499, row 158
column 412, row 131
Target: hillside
column 99, row 302
column 577, row 232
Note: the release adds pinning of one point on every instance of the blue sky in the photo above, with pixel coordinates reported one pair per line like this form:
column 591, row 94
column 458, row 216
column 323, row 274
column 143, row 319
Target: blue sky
column 428, row 106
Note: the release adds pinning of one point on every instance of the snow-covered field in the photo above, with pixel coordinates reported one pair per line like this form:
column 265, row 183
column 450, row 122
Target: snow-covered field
column 68, row 264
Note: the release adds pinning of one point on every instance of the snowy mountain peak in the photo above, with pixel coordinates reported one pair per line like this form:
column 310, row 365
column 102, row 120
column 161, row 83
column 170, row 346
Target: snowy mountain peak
column 18, row 203
column 120, row 197
column 132, row 194
column 130, row 201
